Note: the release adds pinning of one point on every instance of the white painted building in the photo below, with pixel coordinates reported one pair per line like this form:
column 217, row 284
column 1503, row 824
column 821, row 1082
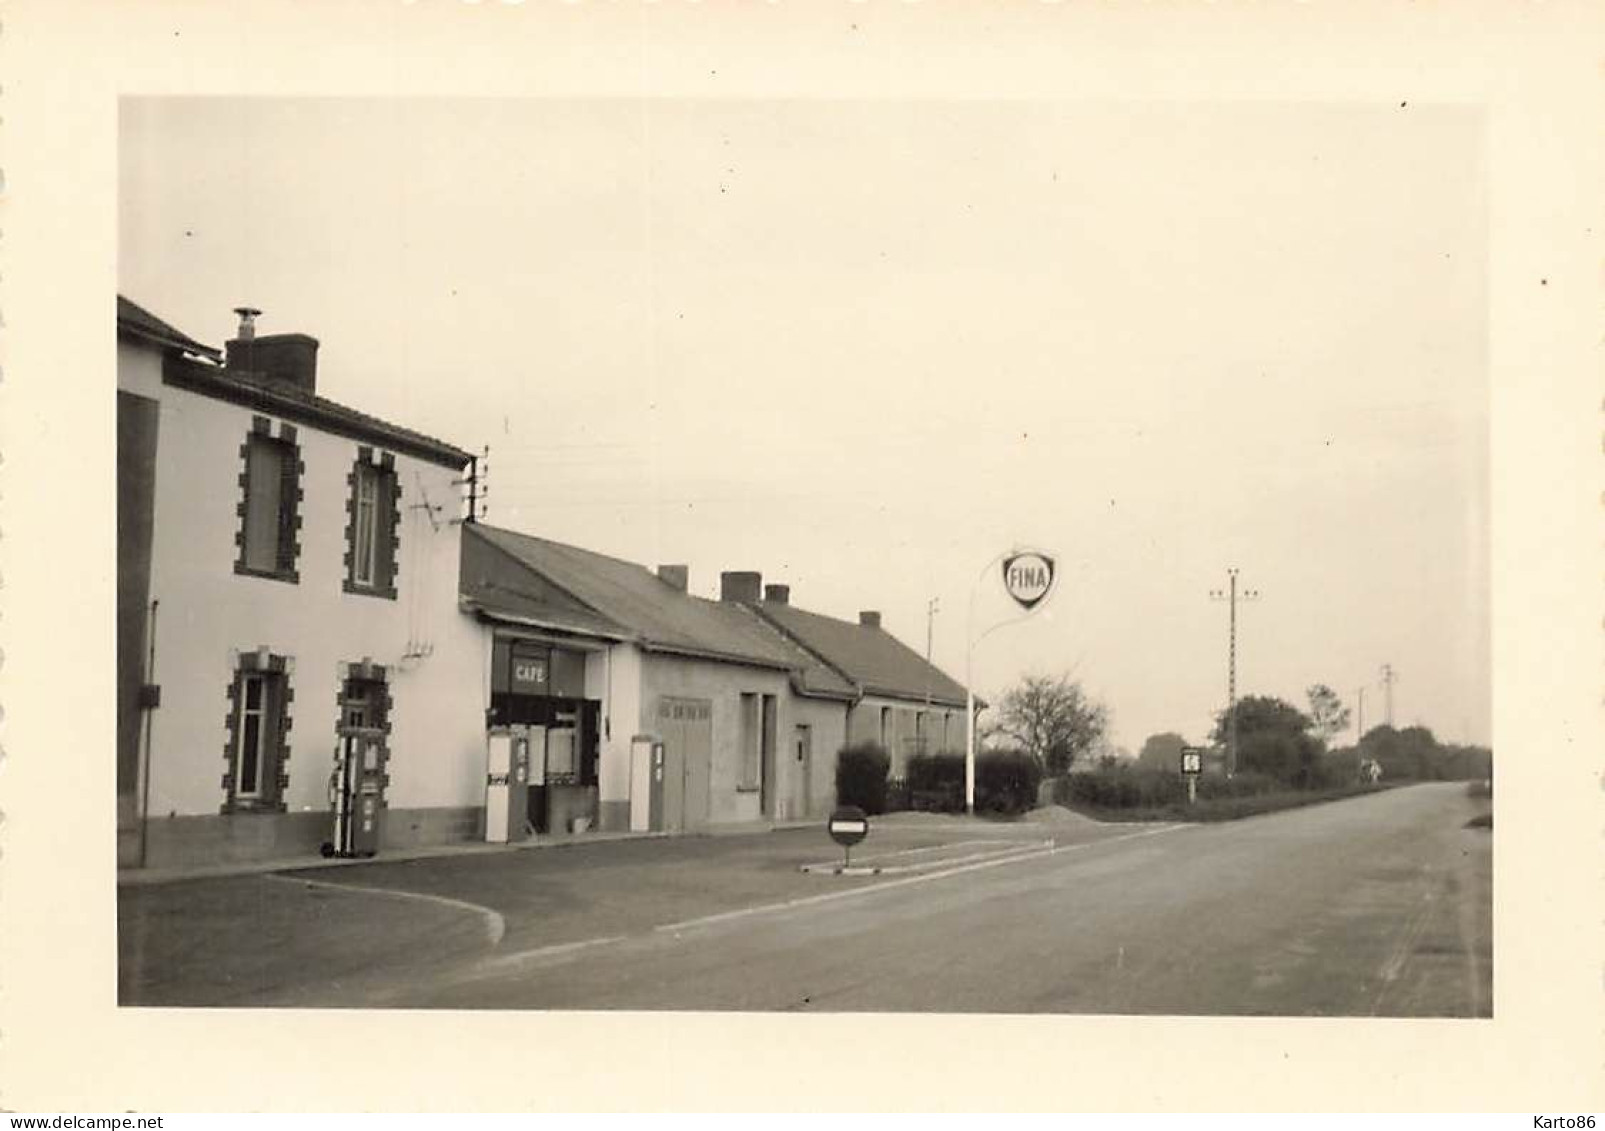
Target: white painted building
column 644, row 707
column 905, row 705
column 287, row 574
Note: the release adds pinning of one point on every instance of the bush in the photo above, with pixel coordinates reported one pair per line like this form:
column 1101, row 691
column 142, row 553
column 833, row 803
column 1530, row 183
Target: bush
column 861, row 777
column 1247, row 783
column 936, row 771
column 1006, row 781
column 936, row 782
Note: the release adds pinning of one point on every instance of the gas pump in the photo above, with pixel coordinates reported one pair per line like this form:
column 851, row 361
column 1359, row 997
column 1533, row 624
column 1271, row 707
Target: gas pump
column 507, row 761
column 356, row 792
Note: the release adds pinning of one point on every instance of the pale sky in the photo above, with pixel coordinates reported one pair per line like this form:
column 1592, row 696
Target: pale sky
column 864, row 347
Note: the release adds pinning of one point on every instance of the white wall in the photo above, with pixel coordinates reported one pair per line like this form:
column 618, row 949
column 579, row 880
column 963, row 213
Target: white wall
column 944, row 727
column 827, row 720
column 139, row 370
column 207, row 612
column 614, row 677
column 723, row 684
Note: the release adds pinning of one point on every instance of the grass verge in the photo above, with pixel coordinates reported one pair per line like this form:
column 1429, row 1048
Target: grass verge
column 1230, row 808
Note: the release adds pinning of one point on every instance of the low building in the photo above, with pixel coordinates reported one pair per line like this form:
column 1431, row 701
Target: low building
column 645, row 707
column 905, row 704
column 287, row 604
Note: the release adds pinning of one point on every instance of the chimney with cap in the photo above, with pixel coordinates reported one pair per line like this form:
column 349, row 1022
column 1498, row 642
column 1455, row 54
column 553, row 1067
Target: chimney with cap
column 777, row 594
column 740, row 586
column 869, row 618
column 678, row 576
column 285, row 359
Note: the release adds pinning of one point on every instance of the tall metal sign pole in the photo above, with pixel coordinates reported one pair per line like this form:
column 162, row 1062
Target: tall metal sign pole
column 1028, row 577
column 1233, row 596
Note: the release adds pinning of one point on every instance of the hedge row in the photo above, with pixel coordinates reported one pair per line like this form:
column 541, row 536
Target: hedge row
column 1136, row 787
column 1006, row 781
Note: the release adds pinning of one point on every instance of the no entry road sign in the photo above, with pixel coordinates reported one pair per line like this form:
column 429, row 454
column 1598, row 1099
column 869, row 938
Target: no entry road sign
column 847, row 826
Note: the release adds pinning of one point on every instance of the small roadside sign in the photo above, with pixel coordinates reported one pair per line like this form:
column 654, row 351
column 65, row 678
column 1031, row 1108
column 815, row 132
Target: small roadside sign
column 1192, row 764
column 847, row 826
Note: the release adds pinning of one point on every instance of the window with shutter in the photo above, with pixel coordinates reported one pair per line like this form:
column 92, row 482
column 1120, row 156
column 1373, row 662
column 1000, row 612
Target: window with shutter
column 271, row 490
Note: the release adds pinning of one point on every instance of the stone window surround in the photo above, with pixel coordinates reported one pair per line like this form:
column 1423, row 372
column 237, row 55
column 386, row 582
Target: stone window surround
column 260, row 659
column 290, row 532
column 367, row 671
column 388, row 527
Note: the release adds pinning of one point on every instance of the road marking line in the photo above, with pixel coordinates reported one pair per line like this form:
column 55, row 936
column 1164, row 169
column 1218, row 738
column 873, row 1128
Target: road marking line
column 939, row 847
column 495, row 925
column 829, row 896
column 1393, row 967
column 522, row 956
column 867, row 869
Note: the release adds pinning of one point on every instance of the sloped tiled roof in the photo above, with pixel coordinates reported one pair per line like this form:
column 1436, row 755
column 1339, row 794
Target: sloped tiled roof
column 498, row 584
column 276, row 397
column 136, row 320
column 653, row 612
column 286, row 400
column 872, row 658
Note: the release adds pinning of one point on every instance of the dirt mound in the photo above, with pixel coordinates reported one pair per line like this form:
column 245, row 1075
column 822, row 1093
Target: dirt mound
column 1059, row 816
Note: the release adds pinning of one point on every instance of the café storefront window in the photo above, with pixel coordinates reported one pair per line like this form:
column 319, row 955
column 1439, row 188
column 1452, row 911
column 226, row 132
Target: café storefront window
column 542, row 687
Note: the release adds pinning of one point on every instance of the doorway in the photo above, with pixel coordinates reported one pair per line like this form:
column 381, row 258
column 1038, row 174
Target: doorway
column 802, row 768
column 686, row 726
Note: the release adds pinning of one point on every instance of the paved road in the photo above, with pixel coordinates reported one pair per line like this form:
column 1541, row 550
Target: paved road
column 1379, row 905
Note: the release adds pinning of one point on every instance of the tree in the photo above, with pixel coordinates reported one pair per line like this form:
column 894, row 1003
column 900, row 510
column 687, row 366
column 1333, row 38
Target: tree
column 1411, row 754
column 1162, row 752
column 1328, row 715
column 1273, row 738
column 1051, row 718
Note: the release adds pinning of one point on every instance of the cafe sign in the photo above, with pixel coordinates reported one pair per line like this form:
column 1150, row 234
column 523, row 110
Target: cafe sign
column 531, row 674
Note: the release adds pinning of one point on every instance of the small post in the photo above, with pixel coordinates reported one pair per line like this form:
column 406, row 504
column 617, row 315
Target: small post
column 1192, row 764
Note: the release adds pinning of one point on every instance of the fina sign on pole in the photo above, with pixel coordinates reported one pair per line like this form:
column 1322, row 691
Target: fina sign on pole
column 1028, row 578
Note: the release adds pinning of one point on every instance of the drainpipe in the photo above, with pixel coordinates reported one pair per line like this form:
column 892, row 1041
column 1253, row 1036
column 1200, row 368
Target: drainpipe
column 144, row 753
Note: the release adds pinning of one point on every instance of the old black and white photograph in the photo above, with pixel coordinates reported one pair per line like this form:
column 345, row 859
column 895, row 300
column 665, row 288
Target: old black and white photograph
column 702, row 556
column 908, row 557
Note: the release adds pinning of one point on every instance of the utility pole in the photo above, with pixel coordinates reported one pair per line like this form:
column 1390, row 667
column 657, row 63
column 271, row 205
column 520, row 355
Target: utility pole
column 931, row 608
column 1232, row 596
column 1359, row 722
column 1388, row 676
column 478, row 469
